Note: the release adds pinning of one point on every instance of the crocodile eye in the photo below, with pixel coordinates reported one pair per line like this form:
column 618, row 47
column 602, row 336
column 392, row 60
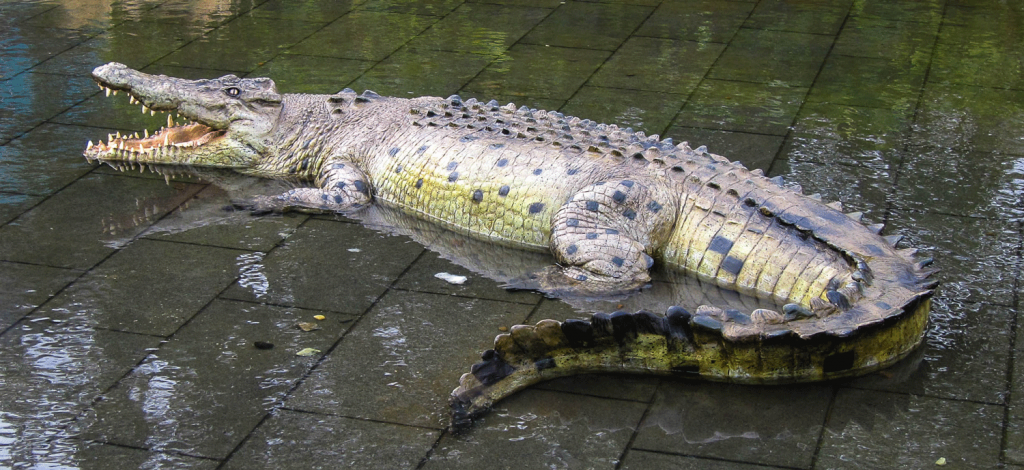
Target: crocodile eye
column 233, row 91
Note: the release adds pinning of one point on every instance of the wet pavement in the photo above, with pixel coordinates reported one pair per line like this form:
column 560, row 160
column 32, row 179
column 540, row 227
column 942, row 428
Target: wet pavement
column 130, row 305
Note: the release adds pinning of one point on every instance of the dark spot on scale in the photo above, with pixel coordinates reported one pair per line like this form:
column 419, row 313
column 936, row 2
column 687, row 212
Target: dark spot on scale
column 337, row 199
column 501, row 163
column 496, row 146
column 581, row 278
column 572, row 171
column 732, row 265
column 467, row 138
column 720, row 244
column 398, row 169
column 422, row 149
column 340, row 185
column 629, row 214
column 619, row 197
column 618, row 261
column 591, row 236
column 538, row 171
column 305, row 164
column 653, row 206
column 393, row 151
column 478, row 196
column 536, row 207
column 453, row 177
column 611, row 231
column 419, row 183
column 627, row 183
column 503, row 191
column 452, row 165
column 593, row 206
column 572, row 223
column 571, row 250
column 361, row 187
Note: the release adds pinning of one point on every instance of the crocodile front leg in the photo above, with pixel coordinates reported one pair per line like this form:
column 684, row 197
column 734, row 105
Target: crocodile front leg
column 604, row 236
column 343, row 187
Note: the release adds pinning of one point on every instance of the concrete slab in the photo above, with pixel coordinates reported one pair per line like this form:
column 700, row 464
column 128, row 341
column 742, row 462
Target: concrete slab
column 23, row 287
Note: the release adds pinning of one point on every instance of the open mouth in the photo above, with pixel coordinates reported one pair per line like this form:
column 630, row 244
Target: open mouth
column 167, row 141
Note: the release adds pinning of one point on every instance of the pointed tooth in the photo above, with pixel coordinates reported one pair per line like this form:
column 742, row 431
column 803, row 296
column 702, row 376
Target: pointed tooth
column 152, row 112
column 107, row 90
column 170, row 122
column 119, row 134
column 87, row 147
column 165, row 140
column 146, row 132
column 167, row 178
column 144, row 109
column 115, row 92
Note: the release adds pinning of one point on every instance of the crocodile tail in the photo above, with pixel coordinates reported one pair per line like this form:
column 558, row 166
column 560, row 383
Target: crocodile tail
column 679, row 343
column 528, row 354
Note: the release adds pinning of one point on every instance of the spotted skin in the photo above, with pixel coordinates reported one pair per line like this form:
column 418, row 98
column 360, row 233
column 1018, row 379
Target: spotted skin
column 607, row 202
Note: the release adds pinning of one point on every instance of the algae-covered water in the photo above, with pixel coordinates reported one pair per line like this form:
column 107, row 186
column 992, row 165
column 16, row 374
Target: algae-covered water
column 129, row 306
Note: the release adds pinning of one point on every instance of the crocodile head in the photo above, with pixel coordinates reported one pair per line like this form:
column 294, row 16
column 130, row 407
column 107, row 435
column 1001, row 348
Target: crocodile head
column 230, row 118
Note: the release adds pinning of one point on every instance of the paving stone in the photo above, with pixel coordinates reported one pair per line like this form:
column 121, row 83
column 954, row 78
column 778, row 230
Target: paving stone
column 150, row 287
column 639, row 459
column 966, row 355
column 25, row 47
column 652, row 64
column 543, row 429
column 188, row 13
column 859, row 188
column 29, row 99
column 52, row 373
column 522, row 3
column 894, row 85
column 43, row 160
column 777, row 425
column 588, row 25
column 13, row 205
column 421, row 278
column 363, row 35
column 86, row 221
column 23, row 287
column 130, row 44
column 93, row 455
column 979, row 47
column 701, row 20
column 621, row 107
column 71, row 16
column 480, row 28
column 739, row 106
column 12, row 13
column 886, row 38
column 408, row 352
column 538, row 71
column 309, row 74
column 753, row 150
column 264, row 38
column 977, row 258
column 803, row 17
column 207, row 387
column 933, row 179
column 1014, row 448
column 293, row 274
column 410, row 73
column 833, row 133
column 426, row 7
column 291, row 439
column 971, row 118
column 870, row 429
column 926, row 11
column 206, row 221
column 777, row 57
column 317, row 12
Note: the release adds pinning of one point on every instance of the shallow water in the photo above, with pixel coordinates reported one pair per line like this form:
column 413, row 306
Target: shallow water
column 131, row 305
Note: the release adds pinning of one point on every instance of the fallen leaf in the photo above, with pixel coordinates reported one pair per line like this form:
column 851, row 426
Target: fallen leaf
column 308, row 326
column 307, row 352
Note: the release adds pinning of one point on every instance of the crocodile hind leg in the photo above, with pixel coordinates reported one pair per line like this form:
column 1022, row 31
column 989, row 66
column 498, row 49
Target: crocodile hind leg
column 343, row 187
column 603, row 237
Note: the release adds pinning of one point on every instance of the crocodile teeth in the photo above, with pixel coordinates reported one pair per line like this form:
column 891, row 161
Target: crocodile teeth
column 170, row 122
column 107, row 90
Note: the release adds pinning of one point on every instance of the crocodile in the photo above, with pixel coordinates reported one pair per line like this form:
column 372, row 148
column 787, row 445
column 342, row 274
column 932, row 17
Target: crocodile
column 605, row 201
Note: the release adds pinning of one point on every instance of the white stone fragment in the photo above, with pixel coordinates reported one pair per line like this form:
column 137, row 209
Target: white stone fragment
column 452, row 278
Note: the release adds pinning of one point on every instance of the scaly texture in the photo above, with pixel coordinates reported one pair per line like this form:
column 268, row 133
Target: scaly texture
column 606, row 201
